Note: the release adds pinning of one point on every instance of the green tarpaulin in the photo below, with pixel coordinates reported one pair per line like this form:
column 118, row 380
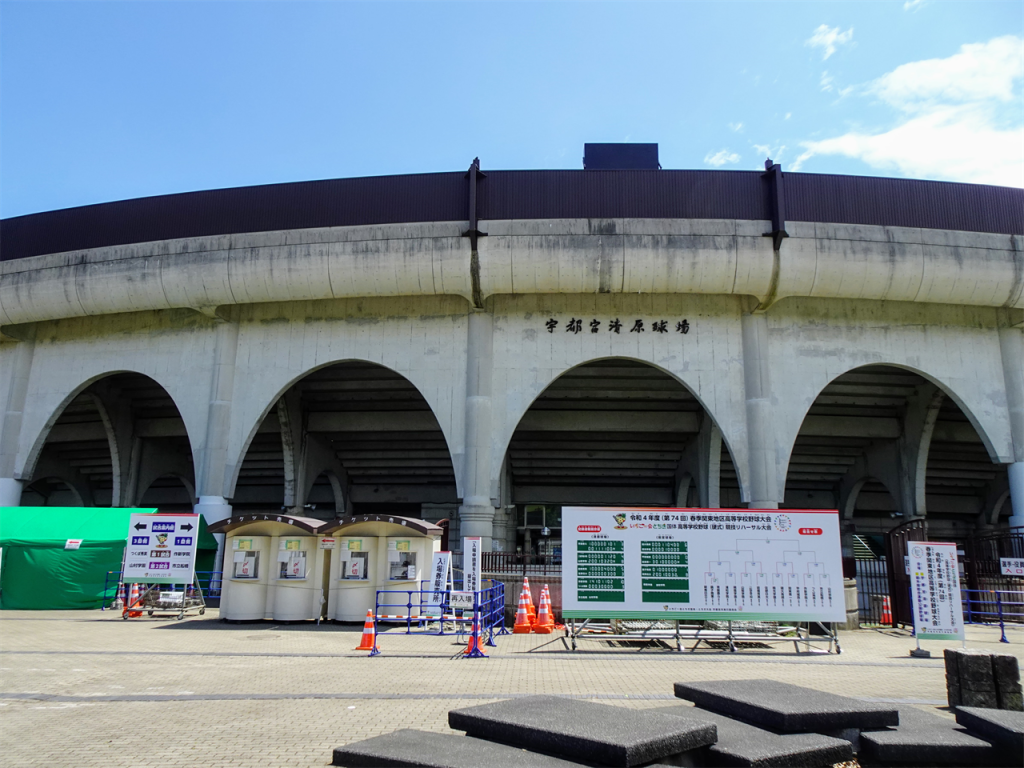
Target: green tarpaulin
column 37, row 572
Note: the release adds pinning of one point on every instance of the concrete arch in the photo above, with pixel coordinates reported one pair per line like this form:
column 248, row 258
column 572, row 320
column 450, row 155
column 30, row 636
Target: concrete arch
column 253, row 422
column 788, row 432
column 42, row 432
column 734, row 443
column 80, row 495
column 189, row 486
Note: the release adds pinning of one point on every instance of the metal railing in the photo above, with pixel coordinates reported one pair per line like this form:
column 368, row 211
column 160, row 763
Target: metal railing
column 992, row 607
column 527, row 565
column 398, row 606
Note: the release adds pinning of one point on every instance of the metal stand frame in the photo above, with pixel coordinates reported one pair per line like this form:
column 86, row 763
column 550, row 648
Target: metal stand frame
column 197, row 602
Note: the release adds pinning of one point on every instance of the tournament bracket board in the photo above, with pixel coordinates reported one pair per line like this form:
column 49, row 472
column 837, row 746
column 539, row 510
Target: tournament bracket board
column 161, row 548
column 678, row 564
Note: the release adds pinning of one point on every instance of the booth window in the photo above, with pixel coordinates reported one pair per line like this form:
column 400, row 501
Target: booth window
column 293, row 564
column 404, row 567
column 356, row 566
column 246, row 564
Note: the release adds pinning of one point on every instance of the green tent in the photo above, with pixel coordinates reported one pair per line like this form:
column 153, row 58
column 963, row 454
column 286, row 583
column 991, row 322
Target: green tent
column 38, row 572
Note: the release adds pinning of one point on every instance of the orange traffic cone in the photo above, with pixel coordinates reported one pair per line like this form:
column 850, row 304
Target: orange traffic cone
column 369, row 641
column 545, row 621
column 530, row 610
column 886, row 611
column 522, row 626
column 475, row 648
column 132, row 602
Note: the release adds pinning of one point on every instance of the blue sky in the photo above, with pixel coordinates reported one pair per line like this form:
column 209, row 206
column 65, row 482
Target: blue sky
column 113, row 100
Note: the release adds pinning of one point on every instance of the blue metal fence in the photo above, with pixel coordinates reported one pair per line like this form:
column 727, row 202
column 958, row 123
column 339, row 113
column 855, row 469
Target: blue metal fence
column 398, row 606
column 992, row 607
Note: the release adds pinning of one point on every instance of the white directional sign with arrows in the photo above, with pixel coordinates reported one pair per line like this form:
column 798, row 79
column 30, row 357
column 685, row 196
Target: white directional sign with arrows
column 161, row 548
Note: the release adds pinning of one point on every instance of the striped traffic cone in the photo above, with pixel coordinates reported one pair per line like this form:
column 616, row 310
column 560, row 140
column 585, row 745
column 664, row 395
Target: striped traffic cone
column 530, row 610
column 475, row 648
column 120, row 601
column 545, row 621
column 522, row 626
column 133, row 601
column 369, row 640
column 886, row 611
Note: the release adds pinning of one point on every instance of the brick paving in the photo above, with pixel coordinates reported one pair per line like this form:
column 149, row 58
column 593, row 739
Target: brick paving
column 88, row 689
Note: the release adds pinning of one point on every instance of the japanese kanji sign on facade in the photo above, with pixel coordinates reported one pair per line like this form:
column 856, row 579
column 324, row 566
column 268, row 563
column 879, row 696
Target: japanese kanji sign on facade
column 617, row 325
column 733, row 564
column 935, row 591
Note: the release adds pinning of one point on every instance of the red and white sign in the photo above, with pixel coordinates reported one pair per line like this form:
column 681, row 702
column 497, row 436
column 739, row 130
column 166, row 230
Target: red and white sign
column 1011, row 566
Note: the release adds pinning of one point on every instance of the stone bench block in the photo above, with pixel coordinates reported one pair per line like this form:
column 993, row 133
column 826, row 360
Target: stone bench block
column 787, row 708
column 1003, row 728
column 424, row 749
column 924, row 739
column 582, row 730
column 741, row 744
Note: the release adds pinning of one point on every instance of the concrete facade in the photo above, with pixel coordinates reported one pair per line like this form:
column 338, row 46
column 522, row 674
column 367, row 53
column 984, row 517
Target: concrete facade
column 229, row 327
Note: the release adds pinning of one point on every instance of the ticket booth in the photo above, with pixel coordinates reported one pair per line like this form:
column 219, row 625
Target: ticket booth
column 378, row 552
column 273, row 568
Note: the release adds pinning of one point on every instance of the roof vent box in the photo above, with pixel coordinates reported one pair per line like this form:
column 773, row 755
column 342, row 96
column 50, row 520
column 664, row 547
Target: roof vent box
column 620, row 157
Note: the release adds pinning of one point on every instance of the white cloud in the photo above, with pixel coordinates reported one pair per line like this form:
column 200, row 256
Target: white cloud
column 959, row 118
column 736, row 127
column 721, row 157
column 829, row 39
column 788, row 115
column 978, row 72
column 826, row 81
column 766, row 151
column 914, row 5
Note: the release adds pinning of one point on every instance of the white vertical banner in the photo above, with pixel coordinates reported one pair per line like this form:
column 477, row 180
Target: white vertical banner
column 471, row 551
column 161, row 547
column 935, row 590
column 440, row 582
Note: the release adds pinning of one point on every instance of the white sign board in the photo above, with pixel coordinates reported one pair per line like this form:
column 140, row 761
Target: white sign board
column 732, row 564
column 462, row 601
column 1011, row 566
column 440, row 582
column 161, row 548
column 472, row 547
column 73, row 543
column 327, row 542
column 935, row 591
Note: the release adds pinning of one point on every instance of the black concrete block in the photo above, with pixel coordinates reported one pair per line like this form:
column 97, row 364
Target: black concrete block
column 922, row 738
column 786, row 708
column 582, row 730
column 1006, row 668
column 1004, row 729
column 424, row 749
column 952, row 676
column 741, row 744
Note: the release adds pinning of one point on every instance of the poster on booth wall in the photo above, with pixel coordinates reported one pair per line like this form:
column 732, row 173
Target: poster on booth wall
column 161, row 548
column 935, row 591
column 679, row 564
column 471, row 550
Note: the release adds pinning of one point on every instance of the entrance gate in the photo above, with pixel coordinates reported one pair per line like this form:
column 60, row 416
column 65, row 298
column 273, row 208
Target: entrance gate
column 899, row 579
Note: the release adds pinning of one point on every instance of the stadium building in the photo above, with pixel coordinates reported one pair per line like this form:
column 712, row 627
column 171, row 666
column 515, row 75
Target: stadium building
column 484, row 347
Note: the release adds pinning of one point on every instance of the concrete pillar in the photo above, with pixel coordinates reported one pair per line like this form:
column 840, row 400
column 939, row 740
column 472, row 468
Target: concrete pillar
column 476, row 515
column 1011, row 345
column 763, row 476
column 10, row 429
column 211, row 465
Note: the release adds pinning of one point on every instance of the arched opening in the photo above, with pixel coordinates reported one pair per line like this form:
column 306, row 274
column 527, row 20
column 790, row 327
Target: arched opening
column 352, row 437
column 921, row 451
column 50, row 492
column 112, row 442
column 612, row 432
column 170, row 493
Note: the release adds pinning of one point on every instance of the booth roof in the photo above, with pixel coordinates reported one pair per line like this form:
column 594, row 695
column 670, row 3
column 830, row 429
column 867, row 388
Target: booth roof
column 308, row 524
column 92, row 524
column 420, row 526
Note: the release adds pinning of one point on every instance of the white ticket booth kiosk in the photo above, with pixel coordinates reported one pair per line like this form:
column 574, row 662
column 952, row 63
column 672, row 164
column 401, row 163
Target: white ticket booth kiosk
column 377, row 552
column 273, row 568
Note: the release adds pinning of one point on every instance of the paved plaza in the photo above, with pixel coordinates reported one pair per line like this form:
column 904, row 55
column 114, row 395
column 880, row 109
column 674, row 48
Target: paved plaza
column 88, row 689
